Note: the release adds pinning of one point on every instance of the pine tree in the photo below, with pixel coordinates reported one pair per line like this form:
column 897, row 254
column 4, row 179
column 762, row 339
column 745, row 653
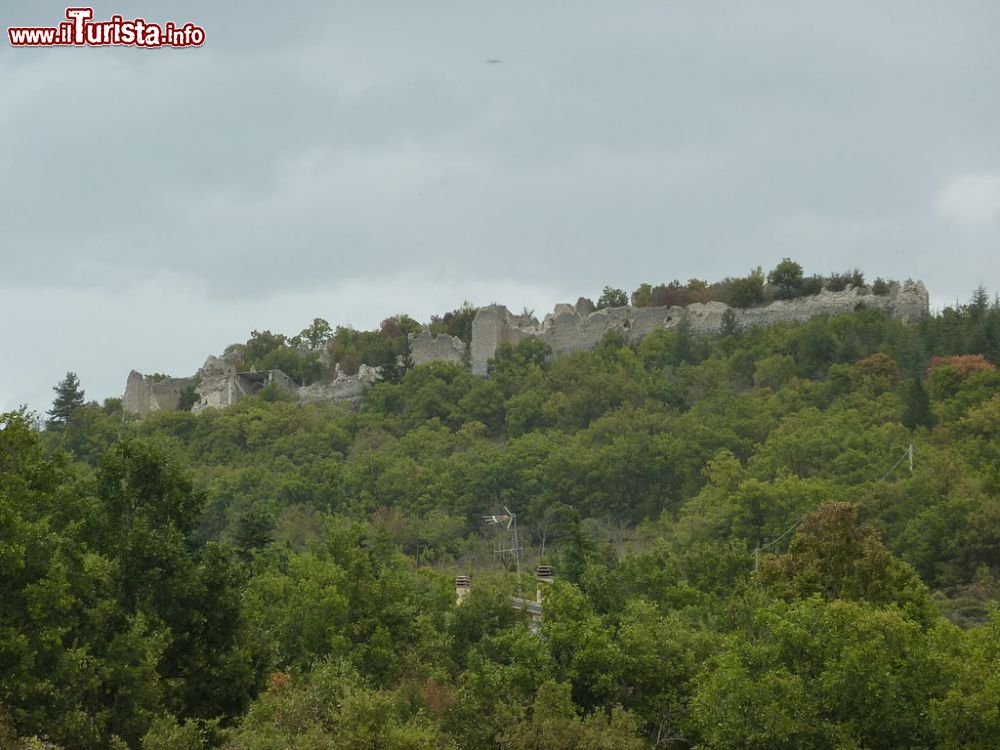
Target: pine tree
column 916, row 405
column 69, row 396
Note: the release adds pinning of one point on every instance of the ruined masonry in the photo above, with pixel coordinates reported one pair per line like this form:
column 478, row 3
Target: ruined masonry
column 219, row 384
column 568, row 328
column 575, row 327
column 144, row 395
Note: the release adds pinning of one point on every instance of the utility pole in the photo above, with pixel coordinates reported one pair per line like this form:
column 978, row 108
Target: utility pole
column 911, row 457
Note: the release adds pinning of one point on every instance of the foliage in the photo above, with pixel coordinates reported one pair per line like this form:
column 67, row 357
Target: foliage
column 315, row 335
column 787, row 277
column 274, row 575
column 69, row 396
column 612, row 297
column 456, row 323
column 745, row 291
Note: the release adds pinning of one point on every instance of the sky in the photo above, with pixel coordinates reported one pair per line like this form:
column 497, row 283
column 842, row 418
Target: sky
column 355, row 160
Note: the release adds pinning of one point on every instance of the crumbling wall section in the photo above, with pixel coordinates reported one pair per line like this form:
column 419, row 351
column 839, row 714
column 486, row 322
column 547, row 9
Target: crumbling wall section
column 492, row 326
column 219, row 391
column 426, row 347
column 222, row 386
column 137, row 396
column 144, row 395
column 347, row 388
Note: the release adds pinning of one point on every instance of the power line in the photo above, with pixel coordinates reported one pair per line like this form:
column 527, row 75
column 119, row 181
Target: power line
column 908, row 453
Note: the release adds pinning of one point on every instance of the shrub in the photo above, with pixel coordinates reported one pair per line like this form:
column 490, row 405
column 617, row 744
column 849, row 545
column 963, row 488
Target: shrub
column 745, row 291
column 880, row 287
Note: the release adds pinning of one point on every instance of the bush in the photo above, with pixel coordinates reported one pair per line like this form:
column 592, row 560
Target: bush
column 671, row 295
column 746, row 291
column 880, row 287
column 457, row 323
column 643, row 296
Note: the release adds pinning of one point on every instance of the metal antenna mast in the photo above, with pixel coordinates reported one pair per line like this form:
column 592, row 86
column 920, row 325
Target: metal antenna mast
column 507, row 544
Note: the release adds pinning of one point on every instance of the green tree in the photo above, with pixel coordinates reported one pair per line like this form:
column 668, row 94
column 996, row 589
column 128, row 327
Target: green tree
column 331, row 708
column 642, row 296
column 612, row 297
column 787, row 278
column 745, row 291
column 553, row 723
column 916, row 405
column 817, row 674
column 316, row 334
column 259, row 345
column 834, row 556
column 69, row 396
column 456, row 323
column 875, row 374
column 730, row 325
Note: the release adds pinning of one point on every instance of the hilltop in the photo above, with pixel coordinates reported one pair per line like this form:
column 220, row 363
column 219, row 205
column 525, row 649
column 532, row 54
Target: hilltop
column 309, row 369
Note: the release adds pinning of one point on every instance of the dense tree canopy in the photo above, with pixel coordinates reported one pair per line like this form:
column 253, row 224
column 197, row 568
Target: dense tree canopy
column 744, row 554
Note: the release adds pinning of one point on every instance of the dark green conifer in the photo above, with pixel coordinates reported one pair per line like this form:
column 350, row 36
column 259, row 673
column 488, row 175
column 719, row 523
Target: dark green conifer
column 69, row 396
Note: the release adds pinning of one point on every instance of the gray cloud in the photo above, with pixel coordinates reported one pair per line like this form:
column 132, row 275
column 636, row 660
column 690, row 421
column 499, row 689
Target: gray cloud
column 352, row 160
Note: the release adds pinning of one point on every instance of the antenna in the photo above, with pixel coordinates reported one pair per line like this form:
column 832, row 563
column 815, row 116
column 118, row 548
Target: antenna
column 507, row 545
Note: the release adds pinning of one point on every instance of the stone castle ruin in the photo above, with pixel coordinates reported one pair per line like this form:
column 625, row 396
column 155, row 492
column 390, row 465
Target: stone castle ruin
column 568, row 328
column 220, row 383
column 581, row 326
column 145, row 394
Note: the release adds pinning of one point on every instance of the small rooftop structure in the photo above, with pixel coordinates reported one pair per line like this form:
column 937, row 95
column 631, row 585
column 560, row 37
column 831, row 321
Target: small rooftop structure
column 544, row 576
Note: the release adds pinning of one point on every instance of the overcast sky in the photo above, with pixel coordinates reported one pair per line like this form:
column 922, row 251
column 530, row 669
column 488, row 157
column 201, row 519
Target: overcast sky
column 358, row 159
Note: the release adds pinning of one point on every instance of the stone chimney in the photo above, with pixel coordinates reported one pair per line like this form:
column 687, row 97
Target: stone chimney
column 543, row 579
column 461, row 588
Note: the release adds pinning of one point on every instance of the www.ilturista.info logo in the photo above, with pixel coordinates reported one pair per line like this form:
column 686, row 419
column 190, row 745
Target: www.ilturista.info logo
column 80, row 30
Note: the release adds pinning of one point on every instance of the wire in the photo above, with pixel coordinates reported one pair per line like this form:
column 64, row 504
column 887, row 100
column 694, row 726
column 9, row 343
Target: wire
column 790, row 529
column 799, row 520
column 905, row 454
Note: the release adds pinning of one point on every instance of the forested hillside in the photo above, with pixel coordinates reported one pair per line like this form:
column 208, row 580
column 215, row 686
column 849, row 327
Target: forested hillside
column 785, row 537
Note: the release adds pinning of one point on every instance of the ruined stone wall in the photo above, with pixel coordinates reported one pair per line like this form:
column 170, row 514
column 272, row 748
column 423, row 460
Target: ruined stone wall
column 347, row 388
column 219, row 391
column 219, row 385
column 224, row 388
column 137, row 395
column 143, row 395
column 569, row 328
column 492, row 326
column 426, row 347
column 573, row 327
